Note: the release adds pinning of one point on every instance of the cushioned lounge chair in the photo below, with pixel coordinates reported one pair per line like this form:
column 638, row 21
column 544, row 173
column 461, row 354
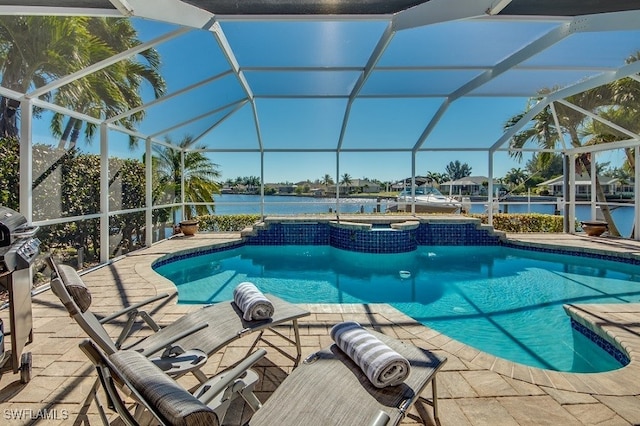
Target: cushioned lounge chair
column 327, row 389
column 185, row 343
column 165, row 399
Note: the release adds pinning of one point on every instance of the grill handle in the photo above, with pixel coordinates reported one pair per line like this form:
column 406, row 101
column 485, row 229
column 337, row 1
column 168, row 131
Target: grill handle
column 25, row 231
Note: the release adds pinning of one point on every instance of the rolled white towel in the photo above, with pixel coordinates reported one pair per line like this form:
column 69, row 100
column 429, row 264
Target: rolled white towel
column 382, row 365
column 253, row 304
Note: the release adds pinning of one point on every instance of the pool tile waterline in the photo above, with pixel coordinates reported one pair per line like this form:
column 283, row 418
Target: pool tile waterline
column 368, row 240
column 438, row 233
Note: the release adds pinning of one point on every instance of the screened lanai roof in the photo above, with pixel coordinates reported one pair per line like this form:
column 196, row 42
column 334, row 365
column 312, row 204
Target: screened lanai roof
column 372, row 75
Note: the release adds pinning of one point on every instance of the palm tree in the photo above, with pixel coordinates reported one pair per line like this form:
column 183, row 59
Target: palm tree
column 624, row 112
column 35, row 50
column 575, row 125
column 436, row 177
column 624, row 174
column 327, row 180
column 346, row 181
column 515, row 177
column 544, row 167
column 200, row 175
column 110, row 91
column 456, row 170
column 252, row 182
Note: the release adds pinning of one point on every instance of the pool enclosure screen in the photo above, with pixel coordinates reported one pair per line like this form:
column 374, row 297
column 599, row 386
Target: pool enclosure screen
column 322, row 87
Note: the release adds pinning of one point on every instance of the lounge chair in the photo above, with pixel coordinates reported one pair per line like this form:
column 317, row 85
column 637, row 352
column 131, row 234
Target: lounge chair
column 327, row 389
column 194, row 335
column 165, row 399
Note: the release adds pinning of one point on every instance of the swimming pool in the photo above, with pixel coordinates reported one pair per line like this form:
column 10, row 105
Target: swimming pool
column 504, row 301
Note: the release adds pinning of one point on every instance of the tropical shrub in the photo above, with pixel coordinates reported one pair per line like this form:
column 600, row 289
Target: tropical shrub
column 9, row 176
column 234, row 222
column 530, row 222
column 66, row 183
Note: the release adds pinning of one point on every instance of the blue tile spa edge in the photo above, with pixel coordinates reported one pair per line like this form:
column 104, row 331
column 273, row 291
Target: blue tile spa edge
column 377, row 240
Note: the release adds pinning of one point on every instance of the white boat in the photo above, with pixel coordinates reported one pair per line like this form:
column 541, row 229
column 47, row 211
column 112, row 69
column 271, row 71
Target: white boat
column 427, row 200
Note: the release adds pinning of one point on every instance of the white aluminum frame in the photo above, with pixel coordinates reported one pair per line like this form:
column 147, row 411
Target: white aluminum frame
column 432, row 12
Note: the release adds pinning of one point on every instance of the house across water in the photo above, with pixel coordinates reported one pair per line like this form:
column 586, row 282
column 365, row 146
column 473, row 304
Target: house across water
column 611, row 186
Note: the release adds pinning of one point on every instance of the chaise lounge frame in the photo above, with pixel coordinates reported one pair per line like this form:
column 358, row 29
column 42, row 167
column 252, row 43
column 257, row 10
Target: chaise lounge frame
column 205, row 330
column 327, row 388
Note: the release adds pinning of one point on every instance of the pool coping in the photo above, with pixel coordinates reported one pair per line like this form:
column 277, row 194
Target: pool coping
column 619, row 324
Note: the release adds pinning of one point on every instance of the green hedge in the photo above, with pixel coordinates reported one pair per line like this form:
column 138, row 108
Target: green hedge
column 530, row 222
column 235, row 222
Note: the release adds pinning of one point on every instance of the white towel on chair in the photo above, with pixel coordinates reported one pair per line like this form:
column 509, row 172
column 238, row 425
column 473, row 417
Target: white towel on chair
column 381, row 364
column 253, row 304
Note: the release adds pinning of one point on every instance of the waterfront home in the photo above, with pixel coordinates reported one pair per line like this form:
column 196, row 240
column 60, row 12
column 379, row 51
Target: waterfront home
column 469, row 185
column 610, row 186
column 287, row 189
column 364, row 186
column 318, row 192
column 401, row 185
column 356, row 186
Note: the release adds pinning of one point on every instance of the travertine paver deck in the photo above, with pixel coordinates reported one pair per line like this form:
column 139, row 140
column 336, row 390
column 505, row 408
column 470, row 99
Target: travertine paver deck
column 475, row 388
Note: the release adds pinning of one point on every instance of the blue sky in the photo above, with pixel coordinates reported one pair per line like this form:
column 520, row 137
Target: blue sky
column 375, row 122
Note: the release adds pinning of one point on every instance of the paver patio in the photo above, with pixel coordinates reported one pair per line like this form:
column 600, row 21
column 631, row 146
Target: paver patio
column 474, row 388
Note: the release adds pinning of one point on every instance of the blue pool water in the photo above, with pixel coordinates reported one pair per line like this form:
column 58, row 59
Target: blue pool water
column 504, row 301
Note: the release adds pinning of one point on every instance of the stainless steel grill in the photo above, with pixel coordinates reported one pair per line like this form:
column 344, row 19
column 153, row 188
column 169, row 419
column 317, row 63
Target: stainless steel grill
column 19, row 249
column 18, row 246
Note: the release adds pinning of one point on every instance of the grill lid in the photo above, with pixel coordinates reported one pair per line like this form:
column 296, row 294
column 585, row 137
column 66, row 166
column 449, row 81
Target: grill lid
column 10, row 221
